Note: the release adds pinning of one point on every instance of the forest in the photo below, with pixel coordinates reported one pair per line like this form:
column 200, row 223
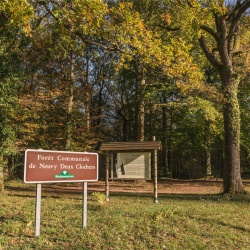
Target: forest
column 76, row 73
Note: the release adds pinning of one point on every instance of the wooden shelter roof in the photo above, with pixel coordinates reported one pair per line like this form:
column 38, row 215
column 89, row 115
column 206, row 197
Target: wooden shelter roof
column 131, row 146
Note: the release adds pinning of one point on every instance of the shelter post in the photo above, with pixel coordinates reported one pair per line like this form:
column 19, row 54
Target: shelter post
column 155, row 177
column 107, row 177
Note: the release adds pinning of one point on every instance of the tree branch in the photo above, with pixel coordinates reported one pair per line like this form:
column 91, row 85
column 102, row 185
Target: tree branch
column 234, row 17
column 211, row 58
column 210, row 31
column 168, row 28
column 238, row 10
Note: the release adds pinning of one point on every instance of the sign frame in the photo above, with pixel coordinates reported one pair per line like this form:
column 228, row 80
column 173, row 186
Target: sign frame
column 63, row 177
column 60, row 175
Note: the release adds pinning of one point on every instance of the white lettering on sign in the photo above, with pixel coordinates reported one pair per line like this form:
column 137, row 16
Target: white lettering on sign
column 45, row 158
column 63, row 158
column 32, row 165
column 79, row 166
column 42, row 165
column 63, row 166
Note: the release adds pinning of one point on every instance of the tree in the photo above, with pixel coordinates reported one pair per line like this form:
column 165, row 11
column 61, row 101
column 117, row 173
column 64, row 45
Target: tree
column 221, row 31
column 15, row 19
column 226, row 35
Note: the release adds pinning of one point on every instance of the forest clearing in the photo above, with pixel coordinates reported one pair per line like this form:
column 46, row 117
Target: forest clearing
column 81, row 76
column 189, row 215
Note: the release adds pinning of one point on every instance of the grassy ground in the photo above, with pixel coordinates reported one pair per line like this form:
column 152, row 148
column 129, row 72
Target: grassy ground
column 128, row 221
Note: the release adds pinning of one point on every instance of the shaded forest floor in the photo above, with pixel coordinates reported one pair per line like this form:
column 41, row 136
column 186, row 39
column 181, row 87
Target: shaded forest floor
column 166, row 186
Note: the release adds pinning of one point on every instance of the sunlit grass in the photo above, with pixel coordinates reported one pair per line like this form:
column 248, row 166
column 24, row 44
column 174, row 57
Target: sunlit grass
column 130, row 221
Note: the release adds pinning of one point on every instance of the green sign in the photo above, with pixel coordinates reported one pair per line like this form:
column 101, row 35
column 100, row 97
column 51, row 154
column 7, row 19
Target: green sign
column 64, row 174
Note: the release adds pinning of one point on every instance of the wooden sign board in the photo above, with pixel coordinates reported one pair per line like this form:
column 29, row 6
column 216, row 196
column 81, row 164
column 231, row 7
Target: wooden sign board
column 47, row 166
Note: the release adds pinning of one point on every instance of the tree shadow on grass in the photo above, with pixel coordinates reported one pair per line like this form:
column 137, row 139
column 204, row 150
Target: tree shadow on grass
column 192, row 197
column 228, row 224
column 209, row 197
column 65, row 192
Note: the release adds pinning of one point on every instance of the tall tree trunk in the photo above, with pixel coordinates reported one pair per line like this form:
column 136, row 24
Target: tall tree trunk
column 164, row 142
column 208, row 162
column 87, row 94
column 124, row 128
column 70, row 103
column 232, row 182
column 1, row 175
column 87, row 111
column 208, row 167
column 140, row 107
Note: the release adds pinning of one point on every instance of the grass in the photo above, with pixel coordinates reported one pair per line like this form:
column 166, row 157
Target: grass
column 128, row 221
